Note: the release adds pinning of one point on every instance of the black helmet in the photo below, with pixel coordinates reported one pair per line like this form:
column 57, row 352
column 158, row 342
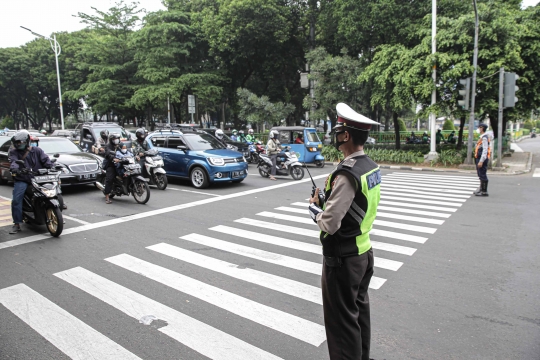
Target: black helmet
column 21, row 140
column 114, row 138
column 140, row 133
column 104, row 134
column 483, row 126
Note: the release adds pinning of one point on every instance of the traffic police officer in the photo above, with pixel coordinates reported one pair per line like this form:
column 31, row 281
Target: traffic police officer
column 482, row 153
column 352, row 194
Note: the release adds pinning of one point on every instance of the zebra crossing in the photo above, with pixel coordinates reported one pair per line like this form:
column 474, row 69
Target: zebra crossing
column 412, row 208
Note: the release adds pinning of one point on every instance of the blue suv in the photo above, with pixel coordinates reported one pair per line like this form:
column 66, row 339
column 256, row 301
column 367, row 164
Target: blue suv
column 198, row 156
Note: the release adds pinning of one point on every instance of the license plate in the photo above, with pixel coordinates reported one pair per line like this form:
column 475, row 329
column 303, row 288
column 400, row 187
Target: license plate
column 87, row 176
column 237, row 173
column 45, row 178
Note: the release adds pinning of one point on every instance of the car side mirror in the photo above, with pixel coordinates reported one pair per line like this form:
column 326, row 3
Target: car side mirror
column 182, row 147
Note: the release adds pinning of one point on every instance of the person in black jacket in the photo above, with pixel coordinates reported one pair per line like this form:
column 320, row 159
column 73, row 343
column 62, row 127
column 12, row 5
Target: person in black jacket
column 110, row 160
column 34, row 159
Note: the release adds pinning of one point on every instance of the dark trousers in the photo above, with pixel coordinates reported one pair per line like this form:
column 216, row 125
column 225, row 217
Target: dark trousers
column 19, row 188
column 481, row 171
column 109, row 179
column 346, row 307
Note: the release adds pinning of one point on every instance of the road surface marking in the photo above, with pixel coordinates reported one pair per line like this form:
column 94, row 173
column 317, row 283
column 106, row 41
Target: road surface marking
column 192, row 191
column 404, row 204
column 270, row 281
column 379, row 213
column 146, row 214
column 437, row 181
column 316, row 234
column 414, row 200
column 267, row 256
column 536, row 172
column 75, row 219
column 294, row 326
column 396, row 192
column 69, row 334
column 308, row 220
column 396, row 209
column 193, row 333
column 296, row 245
column 441, row 194
column 442, row 190
column 429, row 185
column 434, row 177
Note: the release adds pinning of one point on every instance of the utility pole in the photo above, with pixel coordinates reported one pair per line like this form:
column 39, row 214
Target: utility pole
column 473, row 88
column 433, row 147
column 500, row 126
column 169, row 109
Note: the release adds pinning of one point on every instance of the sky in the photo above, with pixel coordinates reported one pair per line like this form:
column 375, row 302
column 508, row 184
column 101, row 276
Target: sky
column 48, row 16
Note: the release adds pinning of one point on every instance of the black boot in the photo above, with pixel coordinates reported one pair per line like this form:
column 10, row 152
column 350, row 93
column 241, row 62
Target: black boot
column 478, row 191
column 483, row 189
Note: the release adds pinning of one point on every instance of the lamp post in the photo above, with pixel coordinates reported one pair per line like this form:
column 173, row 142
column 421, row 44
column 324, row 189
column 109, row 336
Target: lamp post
column 473, row 88
column 432, row 117
column 57, row 50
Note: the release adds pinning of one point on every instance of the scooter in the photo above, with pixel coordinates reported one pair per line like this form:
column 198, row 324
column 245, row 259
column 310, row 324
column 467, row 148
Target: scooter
column 40, row 204
column 153, row 169
column 131, row 184
column 287, row 164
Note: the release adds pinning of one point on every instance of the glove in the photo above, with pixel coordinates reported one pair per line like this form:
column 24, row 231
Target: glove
column 314, row 210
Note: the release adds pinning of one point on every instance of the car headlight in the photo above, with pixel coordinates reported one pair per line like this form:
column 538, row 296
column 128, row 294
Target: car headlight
column 216, row 161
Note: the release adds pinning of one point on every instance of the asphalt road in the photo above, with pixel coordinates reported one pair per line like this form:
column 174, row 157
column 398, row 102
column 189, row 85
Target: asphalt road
column 233, row 272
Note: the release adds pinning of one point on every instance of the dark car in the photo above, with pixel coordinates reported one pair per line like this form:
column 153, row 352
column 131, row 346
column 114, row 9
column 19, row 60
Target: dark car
column 234, row 145
column 69, row 134
column 198, row 156
column 79, row 168
column 90, row 132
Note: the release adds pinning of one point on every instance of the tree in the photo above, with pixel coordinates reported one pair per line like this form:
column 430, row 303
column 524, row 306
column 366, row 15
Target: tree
column 257, row 110
column 448, row 125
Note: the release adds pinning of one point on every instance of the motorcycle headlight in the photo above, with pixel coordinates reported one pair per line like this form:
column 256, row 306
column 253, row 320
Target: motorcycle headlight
column 48, row 192
column 159, row 163
column 150, row 160
column 216, row 161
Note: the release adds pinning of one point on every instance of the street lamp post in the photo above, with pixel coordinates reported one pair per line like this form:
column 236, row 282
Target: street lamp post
column 433, row 149
column 473, row 88
column 57, row 50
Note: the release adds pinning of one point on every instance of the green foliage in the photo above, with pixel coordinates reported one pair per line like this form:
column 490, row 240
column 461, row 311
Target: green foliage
column 529, row 125
column 395, row 156
column 450, row 157
column 402, row 126
column 256, row 109
column 7, row 122
column 331, row 154
column 448, row 125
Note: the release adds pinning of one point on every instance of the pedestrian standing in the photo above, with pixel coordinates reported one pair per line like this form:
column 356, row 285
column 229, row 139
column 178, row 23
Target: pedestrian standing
column 482, row 154
column 352, row 193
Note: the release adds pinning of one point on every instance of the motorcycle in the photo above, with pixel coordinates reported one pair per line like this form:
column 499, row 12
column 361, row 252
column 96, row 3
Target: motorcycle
column 131, row 184
column 533, row 135
column 153, row 169
column 40, row 204
column 287, row 164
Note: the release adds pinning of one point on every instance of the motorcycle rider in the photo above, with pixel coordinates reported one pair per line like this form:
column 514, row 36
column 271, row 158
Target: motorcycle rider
column 34, row 159
column 139, row 146
column 274, row 148
column 250, row 137
column 425, row 138
column 110, row 157
column 220, row 136
column 234, row 136
column 101, row 142
column 241, row 136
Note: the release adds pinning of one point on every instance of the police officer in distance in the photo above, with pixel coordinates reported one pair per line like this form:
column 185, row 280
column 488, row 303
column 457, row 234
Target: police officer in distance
column 482, row 154
column 352, row 193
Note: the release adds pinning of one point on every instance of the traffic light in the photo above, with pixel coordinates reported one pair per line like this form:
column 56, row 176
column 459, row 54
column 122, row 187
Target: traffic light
column 510, row 89
column 464, row 93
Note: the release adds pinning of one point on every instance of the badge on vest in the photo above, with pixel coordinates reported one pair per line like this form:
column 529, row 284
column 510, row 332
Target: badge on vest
column 373, row 179
column 349, row 163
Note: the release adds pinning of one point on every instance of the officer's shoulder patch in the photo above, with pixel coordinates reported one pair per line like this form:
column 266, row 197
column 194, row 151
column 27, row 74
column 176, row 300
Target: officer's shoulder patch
column 349, row 163
column 373, row 179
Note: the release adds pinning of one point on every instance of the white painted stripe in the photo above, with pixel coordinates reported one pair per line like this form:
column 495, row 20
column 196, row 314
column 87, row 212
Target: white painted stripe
column 398, row 249
column 418, row 206
column 267, row 256
column 409, row 218
column 270, row 281
column 422, row 229
column 413, row 200
column 443, row 190
column 429, row 185
column 410, row 211
column 294, row 326
column 398, row 236
column 315, row 234
column 536, row 172
column 192, row 191
column 295, row 210
column 297, row 245
column 146, row 214
column 193, row 333
column 515, row 147
column 453, row 177
column 75, row 219
column 396, row 192
column 69, row 334
column 308, row 220
column 446, row 195
column 432, row 180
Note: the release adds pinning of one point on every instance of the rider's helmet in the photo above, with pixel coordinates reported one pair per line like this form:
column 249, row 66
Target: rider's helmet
column 234, row 132
column 273, row 134
column 140, row 134
column 114, row 138
column 104, row 134
column 34, row 141
column 241, row 133
column 44, row 132
column 250, row 131
column 425, row 132
column 21, row 140
column 412, row 133
column 219, row 134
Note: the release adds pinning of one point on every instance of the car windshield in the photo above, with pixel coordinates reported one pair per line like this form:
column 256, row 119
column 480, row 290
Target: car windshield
column 123, row 134
column 203, row 142
column 313, row 137
column 58, row 145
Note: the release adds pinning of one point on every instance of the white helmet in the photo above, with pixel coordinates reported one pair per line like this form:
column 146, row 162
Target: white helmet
column 250, row 131
column 273, row 134
column 219, row 134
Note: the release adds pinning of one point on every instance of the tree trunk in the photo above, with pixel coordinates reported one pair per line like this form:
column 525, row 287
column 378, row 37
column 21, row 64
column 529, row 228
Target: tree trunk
column 149, row 118
column 460, row 134
column 396, row 130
